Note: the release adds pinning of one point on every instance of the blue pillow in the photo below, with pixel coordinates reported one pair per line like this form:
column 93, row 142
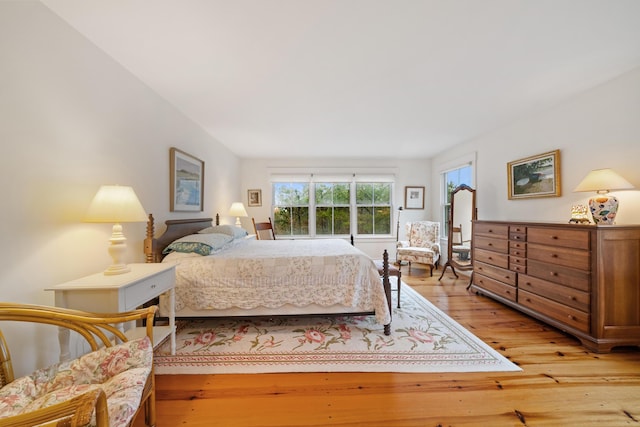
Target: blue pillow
column 202, row 244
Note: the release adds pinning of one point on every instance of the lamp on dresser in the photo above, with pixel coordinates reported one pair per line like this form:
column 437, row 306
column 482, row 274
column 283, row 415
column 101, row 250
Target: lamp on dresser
column 603, row 207
column 116, row 204
column 237, row 209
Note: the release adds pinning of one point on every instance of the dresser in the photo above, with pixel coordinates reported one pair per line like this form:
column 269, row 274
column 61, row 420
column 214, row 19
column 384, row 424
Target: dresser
column 582, row 279
column 118, row 293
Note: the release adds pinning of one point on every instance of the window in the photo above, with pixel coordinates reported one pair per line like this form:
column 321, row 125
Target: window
column 333, row 206
column 373, row 201
column 291, row 208
column 452, row 179
column 333, row 211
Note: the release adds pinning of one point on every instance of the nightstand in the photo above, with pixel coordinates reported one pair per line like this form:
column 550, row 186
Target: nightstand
column 102, row 293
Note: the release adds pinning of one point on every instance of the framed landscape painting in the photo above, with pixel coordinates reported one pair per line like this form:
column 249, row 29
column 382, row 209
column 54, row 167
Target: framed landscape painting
column 187, row 182
column 535, row 176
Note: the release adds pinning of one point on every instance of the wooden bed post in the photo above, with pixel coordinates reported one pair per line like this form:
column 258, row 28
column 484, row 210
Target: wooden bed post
column 387, row 288
column 148, row 241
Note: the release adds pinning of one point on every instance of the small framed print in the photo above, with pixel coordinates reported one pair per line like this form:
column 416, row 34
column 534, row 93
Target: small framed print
column 187, row 182
column 414, row 197
column 255, row 197
column 535, row 176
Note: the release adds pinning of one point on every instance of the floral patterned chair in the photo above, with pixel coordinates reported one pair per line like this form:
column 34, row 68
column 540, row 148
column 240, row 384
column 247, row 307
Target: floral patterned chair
column 423, row 245
column 105, row 387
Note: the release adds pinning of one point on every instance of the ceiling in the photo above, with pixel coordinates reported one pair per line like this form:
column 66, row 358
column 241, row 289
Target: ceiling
column 360, row 78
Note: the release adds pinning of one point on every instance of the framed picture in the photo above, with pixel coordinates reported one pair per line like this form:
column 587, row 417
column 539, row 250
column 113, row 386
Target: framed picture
column 255, row 197
column 187, row 182
column 535, row 176
column 414, row 197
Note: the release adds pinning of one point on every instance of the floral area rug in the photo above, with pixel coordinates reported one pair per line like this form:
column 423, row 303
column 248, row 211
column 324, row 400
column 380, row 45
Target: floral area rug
column 423, row 339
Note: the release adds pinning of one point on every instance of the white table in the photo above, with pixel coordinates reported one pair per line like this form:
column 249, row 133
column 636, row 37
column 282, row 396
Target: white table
column 102, row 293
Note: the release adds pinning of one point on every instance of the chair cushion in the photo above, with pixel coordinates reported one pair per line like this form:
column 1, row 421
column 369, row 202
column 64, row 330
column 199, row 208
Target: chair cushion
column 121, row 371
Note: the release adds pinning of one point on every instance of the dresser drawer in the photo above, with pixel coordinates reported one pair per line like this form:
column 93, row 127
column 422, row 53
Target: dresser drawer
column 520, row 250
column 577, row 239
column 497, row 273
column 492, row 244
column 505, row 291
column 578, row 279
column 493, row 258
column 516, row 228
column 575, row 258
column 140, row 292
column 564, row 314
column 518, row 264
column 518, row 245
column 517, row 237
column 490, row 229
column 559, row 293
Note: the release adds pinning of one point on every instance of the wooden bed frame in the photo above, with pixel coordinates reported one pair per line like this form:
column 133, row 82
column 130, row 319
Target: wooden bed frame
column 177, row 228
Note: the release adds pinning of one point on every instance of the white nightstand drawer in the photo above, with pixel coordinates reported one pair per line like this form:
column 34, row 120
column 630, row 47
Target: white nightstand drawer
column 138, row 293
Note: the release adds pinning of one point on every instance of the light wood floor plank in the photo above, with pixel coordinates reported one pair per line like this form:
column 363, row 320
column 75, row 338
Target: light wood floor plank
column 562, row 384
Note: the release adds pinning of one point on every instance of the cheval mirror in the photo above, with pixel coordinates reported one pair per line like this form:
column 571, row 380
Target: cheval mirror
column 460, row 221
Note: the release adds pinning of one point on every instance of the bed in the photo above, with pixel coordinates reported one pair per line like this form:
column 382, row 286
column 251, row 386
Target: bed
column 221, row 272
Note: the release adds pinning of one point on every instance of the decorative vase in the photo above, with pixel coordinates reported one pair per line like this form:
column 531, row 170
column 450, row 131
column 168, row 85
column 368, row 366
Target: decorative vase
column 603, row 209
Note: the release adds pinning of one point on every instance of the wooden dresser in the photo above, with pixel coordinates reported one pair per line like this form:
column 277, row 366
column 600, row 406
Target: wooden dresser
column 582, row 279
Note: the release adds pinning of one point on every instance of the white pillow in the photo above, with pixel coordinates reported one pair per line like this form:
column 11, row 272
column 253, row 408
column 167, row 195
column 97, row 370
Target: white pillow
column 235, row 232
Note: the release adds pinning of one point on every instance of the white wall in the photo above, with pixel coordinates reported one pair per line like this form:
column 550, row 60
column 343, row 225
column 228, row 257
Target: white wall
column 598, row 129
column 72, row 119
column 416, row 172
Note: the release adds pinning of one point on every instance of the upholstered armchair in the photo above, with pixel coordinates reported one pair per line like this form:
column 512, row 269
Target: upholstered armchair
column 423, row 245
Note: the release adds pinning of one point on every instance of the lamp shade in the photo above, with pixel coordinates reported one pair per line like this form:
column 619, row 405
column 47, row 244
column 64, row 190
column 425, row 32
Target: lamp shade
column 237, row 209
column 115, row 204
column 603, row 180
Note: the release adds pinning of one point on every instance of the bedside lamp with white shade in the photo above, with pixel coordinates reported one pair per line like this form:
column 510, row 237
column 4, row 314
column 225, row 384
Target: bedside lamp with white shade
column 237, row 209
column 603, row 207
column 116, row 204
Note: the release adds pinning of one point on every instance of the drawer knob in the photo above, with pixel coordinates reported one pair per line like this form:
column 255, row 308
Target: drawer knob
column 553, row 273
column 554, row 237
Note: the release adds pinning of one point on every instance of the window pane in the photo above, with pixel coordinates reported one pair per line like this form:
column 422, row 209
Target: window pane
column 324, row 220
column 365, row 220
column 341, row 220
column 382, row 194
column 364, row 194
column 382, row 220
column 300, row 221
column 324, row 194
column 342, row 194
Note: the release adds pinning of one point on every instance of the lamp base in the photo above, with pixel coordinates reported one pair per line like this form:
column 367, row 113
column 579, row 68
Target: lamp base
column 117, row 269
column 603, row 209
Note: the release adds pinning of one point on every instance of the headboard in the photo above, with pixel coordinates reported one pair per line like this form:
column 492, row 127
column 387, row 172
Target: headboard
column 176, row 228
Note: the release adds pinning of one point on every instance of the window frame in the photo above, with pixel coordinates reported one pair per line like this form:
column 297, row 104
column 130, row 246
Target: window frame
column 352, row 179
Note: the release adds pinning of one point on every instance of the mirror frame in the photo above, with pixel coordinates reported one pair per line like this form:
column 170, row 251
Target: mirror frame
column 474, row 215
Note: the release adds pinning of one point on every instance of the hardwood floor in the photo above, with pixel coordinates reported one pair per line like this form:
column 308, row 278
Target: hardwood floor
column 562, row 384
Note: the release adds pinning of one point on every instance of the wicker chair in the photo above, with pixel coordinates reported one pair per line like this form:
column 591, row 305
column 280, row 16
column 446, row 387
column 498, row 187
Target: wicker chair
column 87, row 399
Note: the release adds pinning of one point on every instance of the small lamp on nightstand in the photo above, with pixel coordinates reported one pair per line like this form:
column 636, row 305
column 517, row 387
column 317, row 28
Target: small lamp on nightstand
column 116, row 204
column 237, row 209
column 603, row 207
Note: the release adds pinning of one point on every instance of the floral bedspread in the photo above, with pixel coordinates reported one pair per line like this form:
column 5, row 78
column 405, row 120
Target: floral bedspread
column 272, row 273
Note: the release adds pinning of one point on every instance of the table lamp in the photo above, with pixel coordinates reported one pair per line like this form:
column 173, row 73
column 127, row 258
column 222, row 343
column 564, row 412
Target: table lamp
column 116, row 204
column 237, row 209
column 603, row 207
